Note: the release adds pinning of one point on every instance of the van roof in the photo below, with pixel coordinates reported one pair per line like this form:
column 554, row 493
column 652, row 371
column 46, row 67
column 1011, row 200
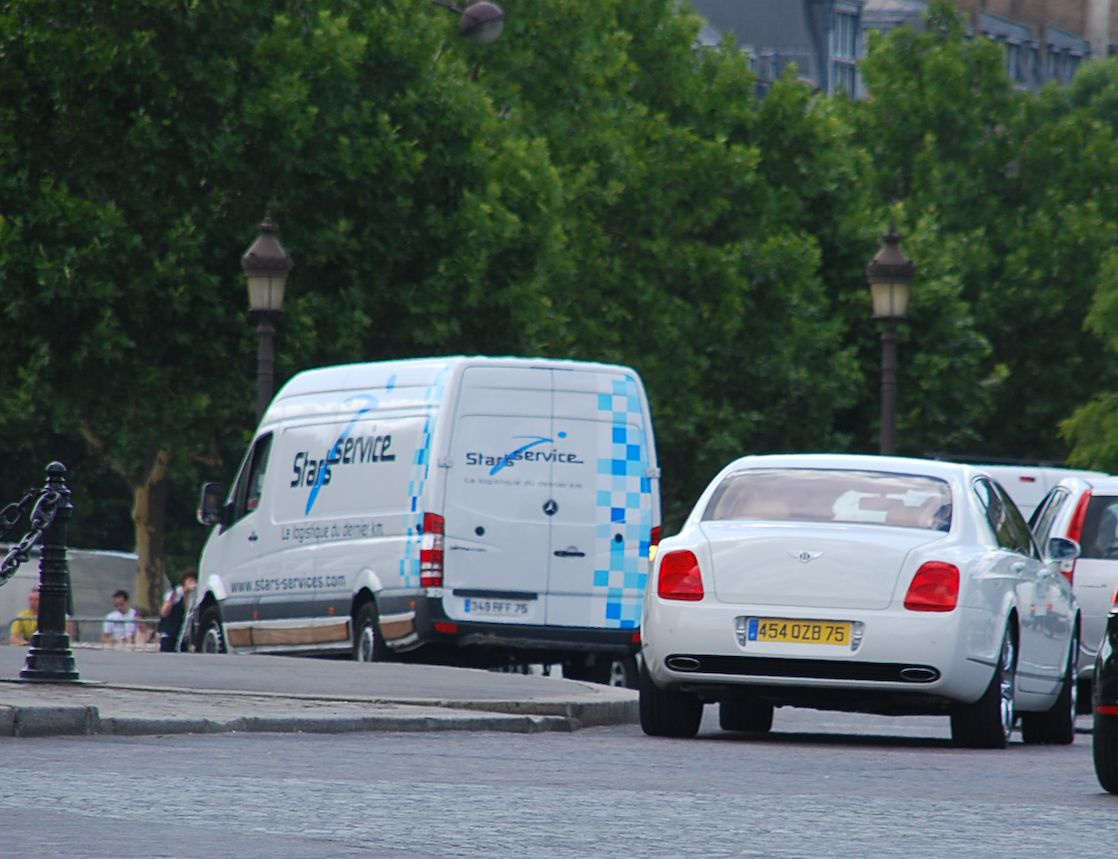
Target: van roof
column 385, row 376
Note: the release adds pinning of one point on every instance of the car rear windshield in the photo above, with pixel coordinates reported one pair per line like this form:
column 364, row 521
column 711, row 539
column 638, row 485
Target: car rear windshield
column 1100, row 529
column 833, row 495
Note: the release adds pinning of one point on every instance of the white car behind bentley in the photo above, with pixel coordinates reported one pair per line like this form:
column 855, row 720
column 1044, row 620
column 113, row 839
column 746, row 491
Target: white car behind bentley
column 861, row 583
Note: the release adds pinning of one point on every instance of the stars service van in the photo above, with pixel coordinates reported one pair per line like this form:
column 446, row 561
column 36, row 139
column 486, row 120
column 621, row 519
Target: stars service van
column 471, row 510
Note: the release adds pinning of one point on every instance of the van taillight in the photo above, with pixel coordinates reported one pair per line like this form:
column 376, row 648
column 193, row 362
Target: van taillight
column 680, row 578
column 935, row 587
column 1075, row 532
column 431, row 551
column 654, row 540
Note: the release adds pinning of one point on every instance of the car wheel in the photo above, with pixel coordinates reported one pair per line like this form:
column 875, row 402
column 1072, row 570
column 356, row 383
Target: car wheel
column 666, row 713
column 1057, row 725
column 211, row 639
column 752, row 716
column 988, row 722
column 368, row 643
column 1105, row 751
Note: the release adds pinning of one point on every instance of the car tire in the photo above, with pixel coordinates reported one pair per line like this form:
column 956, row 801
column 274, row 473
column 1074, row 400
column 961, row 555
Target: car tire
column 750, row 716
column 1104, row 745
column 1057, row 725
column 988, row 722
column 368, row 643
column 667, row 713
column 211, row 637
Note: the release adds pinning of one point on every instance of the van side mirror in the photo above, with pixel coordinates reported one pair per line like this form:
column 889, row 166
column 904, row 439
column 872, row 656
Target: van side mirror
column 211, row 506
column 1062, row 549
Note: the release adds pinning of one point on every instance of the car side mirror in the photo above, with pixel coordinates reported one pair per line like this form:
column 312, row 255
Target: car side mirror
column 1062, row 549
column 211, row 506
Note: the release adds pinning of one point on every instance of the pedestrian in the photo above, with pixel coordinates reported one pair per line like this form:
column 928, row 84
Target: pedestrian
column 120, row 623
column 172, row 615
column 24, row 626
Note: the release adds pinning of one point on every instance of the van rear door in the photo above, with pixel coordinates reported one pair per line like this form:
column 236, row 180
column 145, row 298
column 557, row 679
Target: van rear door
column 603, row 494
column 496, row 541
column 549, row 500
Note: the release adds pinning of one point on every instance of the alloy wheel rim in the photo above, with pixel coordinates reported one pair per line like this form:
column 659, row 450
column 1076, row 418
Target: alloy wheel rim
column 368, row 641
column 1007, row 704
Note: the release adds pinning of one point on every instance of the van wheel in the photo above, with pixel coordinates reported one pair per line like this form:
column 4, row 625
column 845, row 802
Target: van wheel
column 210, row 637
column 623, row 673
column 368, row 644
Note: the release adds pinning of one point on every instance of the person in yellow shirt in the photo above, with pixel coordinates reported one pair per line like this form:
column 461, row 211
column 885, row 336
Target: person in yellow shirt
column 24, row 626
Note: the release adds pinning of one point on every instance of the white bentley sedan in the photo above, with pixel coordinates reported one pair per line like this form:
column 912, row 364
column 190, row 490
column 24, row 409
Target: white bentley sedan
column 860, row 583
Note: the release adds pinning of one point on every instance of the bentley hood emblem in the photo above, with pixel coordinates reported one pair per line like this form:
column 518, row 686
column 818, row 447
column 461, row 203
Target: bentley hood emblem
column 805, row 556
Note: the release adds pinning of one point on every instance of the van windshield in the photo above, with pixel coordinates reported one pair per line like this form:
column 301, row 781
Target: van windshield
column 833, row 495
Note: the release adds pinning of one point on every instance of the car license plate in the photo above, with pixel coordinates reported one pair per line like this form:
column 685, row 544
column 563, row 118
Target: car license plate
column 786, row 631
column 496, row 608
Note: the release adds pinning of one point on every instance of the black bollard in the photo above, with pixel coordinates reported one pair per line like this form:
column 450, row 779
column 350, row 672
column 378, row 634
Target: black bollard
column 50, row 658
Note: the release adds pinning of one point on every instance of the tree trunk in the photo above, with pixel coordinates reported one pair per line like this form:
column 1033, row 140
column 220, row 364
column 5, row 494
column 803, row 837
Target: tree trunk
column 149, row 514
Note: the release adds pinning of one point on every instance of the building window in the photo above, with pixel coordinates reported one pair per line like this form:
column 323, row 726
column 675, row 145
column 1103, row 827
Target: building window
column 1013, row 62
column 844, row 52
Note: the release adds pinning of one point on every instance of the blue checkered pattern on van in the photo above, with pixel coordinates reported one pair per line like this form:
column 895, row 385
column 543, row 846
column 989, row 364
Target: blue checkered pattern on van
column 624, row 502
column 421, row 472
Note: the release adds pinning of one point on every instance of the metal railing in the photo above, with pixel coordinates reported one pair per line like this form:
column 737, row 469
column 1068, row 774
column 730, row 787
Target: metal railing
column 87, row 632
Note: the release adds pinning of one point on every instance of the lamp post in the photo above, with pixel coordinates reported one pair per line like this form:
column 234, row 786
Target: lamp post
column 890, row 274
column 480, row 21
column 265, row 265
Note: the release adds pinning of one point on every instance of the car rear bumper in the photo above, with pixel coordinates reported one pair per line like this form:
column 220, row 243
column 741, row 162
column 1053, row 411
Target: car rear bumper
column 937, row 657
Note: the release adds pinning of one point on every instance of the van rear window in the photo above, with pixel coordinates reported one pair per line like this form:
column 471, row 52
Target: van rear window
column 833, row 495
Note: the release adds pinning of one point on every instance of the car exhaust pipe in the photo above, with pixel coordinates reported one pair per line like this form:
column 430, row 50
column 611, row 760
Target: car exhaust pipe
column 682, row 663
column 919, row 674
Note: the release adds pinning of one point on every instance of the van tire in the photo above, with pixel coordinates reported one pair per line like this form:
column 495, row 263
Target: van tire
column 604, row 670
column 211, row 637
column 368, row 643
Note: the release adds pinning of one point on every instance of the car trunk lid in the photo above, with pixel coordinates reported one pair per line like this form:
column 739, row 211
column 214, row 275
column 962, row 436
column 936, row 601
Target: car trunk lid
column 823, row 566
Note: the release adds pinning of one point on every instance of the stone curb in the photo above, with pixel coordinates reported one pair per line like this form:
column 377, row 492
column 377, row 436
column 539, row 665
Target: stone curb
column 514, row 716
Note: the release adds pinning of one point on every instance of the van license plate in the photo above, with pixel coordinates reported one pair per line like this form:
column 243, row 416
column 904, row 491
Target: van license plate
column 783, row 630
column 496, row 608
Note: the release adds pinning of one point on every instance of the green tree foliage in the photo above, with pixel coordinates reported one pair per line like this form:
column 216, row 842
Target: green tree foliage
column 141, row 140
column 697, row 221
column 1002, row 192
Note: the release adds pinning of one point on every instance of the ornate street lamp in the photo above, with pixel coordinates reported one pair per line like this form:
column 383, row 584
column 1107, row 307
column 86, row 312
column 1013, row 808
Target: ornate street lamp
column 265, row 265
column 480, row 21
column 890, row 274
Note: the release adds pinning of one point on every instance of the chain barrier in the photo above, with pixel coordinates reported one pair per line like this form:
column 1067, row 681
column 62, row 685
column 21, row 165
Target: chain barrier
column 41, row 517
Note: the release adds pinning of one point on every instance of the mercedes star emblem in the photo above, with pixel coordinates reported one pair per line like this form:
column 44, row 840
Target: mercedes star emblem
column 804, row 556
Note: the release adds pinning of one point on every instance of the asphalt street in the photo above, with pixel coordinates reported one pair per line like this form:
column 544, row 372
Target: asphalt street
column 130, row 692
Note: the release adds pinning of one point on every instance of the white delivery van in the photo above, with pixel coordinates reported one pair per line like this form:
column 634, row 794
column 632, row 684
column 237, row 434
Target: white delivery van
column 472, row 510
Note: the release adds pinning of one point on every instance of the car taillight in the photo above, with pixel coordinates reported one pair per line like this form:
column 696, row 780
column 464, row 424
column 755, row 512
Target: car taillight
column 1075, row 532
column 935, row 587
column 654, row 543
column 680, row 578
column 431, row 551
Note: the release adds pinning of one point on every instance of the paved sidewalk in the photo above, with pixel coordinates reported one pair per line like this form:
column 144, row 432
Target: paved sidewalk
column 125, row 692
